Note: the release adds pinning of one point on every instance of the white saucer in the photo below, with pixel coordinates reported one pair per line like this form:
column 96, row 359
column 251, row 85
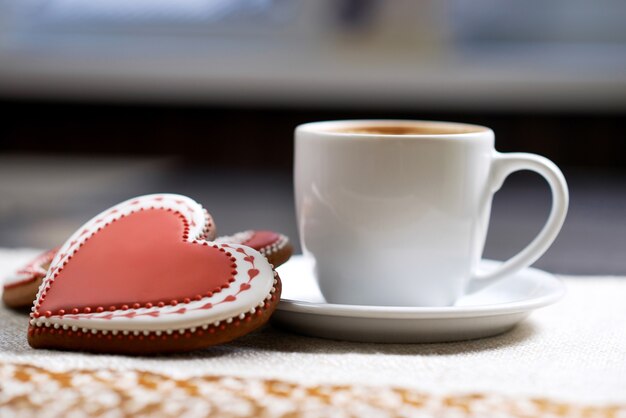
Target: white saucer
column 490, row 311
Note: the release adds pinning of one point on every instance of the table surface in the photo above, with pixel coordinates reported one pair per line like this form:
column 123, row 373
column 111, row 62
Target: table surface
column 566, row 359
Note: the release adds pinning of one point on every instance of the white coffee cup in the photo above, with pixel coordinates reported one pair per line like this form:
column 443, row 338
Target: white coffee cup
column 395, row 213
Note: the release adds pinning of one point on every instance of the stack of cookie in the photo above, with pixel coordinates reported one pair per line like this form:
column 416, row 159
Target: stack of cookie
column 150, row 276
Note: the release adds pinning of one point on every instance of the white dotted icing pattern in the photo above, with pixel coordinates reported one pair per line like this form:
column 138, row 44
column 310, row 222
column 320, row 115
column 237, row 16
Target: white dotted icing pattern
column 238, row 238
column 275, row 247
column 242, row 237
column 203, row 312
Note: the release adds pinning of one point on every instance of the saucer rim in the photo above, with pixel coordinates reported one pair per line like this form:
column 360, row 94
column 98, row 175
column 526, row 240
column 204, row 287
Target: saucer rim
column 556, row 292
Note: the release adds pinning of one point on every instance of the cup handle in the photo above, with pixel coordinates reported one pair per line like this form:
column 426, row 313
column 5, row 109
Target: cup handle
column 502, row 166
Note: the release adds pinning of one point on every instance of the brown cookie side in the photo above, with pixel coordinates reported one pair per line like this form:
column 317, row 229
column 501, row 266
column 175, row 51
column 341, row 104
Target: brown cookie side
column 280, row 256
column 152, row 344
column 21, row 295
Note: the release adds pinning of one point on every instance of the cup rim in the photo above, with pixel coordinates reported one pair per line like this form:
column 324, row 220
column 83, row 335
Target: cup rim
column 325, row 129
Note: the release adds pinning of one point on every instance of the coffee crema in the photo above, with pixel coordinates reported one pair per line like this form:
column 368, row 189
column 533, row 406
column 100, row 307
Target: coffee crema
column 434, row 129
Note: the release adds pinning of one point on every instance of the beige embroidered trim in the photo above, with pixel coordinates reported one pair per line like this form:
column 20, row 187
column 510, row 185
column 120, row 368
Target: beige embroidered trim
column 27, row 390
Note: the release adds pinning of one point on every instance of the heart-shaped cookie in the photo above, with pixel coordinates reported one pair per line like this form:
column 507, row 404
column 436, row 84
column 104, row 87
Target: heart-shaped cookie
column 21, row 286
column 142, row 278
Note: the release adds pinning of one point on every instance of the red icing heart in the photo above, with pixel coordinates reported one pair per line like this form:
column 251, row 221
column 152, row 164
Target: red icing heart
column 141, row 258
column 262, row 239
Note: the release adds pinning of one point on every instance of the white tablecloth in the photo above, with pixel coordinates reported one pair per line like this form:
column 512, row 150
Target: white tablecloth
column 572, row 352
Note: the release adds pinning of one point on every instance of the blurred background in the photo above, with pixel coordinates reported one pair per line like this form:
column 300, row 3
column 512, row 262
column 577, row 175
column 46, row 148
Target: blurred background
column 102, row 100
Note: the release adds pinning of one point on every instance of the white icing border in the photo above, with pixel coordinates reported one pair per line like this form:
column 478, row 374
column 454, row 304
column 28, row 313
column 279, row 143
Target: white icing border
column 237, row 238
column 241, row 237
column 277, row 246
column 26, row 273
column 262, row 286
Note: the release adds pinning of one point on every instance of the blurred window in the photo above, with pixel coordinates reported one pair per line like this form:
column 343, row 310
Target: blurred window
column 539, row 21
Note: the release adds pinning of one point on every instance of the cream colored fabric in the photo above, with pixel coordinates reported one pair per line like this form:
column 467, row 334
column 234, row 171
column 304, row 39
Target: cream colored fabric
column 574, row 351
